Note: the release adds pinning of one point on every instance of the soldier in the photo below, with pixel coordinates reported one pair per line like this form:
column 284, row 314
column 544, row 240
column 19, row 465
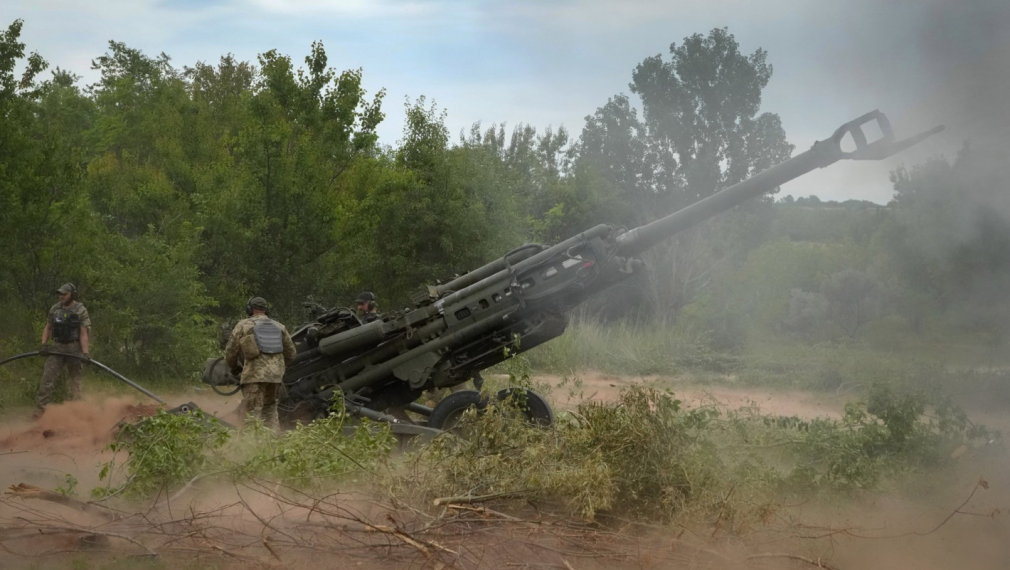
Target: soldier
column 68, row 325
column 367, row 308
column 266, row 349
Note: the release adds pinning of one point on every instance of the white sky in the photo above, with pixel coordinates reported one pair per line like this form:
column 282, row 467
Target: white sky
column 552, row 62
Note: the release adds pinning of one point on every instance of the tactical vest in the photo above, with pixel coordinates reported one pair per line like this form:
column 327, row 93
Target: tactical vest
column 268, row 336
column 66, row 326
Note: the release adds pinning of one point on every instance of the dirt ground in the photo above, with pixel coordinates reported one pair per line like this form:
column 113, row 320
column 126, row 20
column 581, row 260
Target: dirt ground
column 870, row 532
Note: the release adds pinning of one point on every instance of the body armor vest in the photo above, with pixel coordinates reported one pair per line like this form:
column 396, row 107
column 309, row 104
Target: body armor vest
column 268, row 336
column 66, row 326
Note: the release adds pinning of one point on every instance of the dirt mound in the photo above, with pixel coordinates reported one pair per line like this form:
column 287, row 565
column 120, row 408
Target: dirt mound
column 83, row 425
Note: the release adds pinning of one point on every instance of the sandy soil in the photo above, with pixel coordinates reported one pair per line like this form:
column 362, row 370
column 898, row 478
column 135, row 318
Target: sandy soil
column 869, row 532
column 606, row 387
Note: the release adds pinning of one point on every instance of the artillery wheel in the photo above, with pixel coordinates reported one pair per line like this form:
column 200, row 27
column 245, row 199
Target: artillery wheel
column 532, row 405
column 446, row 413
column 221, row 392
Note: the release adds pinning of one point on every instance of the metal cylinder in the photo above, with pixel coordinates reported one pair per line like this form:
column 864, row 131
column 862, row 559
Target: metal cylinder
column 642, row 238
column 350, row 340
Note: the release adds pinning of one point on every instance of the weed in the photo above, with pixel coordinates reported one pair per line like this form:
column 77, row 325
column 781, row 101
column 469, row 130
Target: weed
column 646, row 457
column 310, row 456
column 164, row 451
column 641, row 455
column 69, row 486
column 884, row 436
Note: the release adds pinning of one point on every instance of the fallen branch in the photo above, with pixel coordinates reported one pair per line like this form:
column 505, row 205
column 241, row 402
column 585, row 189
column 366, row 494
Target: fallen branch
column 107, row 534
column 486, row 511
column 25, row 491
column 818, row 562
column 470, row 499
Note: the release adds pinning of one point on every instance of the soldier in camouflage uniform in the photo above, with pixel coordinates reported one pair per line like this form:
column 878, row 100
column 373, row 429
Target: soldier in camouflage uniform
column 265, row 348
column 68, row 325
column 367, row 307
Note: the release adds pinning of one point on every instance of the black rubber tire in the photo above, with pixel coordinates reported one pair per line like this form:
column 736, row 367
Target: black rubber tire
column 446, row 413
column 536, row 409
column 218, row 390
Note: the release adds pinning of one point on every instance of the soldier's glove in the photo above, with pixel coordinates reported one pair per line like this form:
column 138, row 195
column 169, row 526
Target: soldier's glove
column 43, row 349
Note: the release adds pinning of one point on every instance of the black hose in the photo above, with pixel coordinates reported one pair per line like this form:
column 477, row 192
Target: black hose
column 115, row 374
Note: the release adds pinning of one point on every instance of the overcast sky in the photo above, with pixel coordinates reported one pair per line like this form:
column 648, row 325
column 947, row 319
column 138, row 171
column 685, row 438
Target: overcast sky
column 552, row 62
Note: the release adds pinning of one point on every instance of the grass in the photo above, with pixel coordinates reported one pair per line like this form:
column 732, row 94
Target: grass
column 623, row 348
column 843, row 366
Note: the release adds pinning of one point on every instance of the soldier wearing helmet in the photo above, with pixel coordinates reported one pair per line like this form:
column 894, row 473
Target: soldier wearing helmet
column 67, row 325
column 258, row 351
column 366, row 307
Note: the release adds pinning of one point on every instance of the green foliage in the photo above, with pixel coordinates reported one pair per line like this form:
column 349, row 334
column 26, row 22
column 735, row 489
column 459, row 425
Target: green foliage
column 164, row 451
column 886, row 435
column 642, row 455
column 69, row 486
column 645, row 456
column 629, row 349
column 312, row 456
column 170, row 195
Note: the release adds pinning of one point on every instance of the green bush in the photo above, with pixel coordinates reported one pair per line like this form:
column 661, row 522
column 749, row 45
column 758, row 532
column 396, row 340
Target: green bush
column 166, row 451
column 311, row 456
column 642, row 455
column 884, row 436
column 647, row 458
column 163, row 452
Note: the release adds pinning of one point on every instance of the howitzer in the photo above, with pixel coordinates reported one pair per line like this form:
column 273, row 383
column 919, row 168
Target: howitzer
column 459, row 328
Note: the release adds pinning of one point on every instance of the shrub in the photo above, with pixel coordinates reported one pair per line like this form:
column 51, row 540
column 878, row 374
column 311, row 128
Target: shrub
column 642, row 455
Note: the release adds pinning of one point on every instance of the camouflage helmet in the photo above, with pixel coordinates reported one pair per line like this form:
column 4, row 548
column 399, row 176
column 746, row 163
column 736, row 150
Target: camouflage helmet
column 365, row 297
column 256, row 303
column 68, row 288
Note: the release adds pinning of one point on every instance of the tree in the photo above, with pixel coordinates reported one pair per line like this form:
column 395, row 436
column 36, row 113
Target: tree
column 700, row 132
column 853, row 298
column 431, row 210
column 949, row 243
column 274, row 198
column 701, row 116
column 44, row 223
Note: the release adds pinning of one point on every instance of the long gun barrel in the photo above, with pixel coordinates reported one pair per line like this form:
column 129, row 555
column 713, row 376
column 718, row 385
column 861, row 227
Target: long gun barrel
column 823, row 153
column 516, row 302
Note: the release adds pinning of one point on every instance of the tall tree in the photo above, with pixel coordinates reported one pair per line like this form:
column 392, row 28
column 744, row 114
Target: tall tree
column 701, row 130
column 43, row 213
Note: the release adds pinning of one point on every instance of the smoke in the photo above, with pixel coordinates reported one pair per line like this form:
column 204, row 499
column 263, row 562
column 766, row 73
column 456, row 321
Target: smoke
column 934, row 61
column 966, row 55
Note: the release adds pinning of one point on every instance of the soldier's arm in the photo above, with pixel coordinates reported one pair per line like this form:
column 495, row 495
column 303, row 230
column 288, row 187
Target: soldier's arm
column 85, row 329
column 48, row 330
column 231, row 351
column 85, row 341
column 289, row 347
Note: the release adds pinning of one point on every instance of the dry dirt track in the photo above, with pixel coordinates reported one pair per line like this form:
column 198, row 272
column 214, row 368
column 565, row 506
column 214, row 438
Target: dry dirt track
column 869, row 533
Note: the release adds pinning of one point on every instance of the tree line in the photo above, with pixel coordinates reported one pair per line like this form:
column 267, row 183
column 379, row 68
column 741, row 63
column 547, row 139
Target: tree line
column 169, row 195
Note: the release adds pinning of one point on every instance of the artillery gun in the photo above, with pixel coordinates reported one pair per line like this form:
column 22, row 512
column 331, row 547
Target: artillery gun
column 517, row 302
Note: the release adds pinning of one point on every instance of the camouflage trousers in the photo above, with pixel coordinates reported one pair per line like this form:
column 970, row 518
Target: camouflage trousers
column 51, row 375
column 259, row 400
